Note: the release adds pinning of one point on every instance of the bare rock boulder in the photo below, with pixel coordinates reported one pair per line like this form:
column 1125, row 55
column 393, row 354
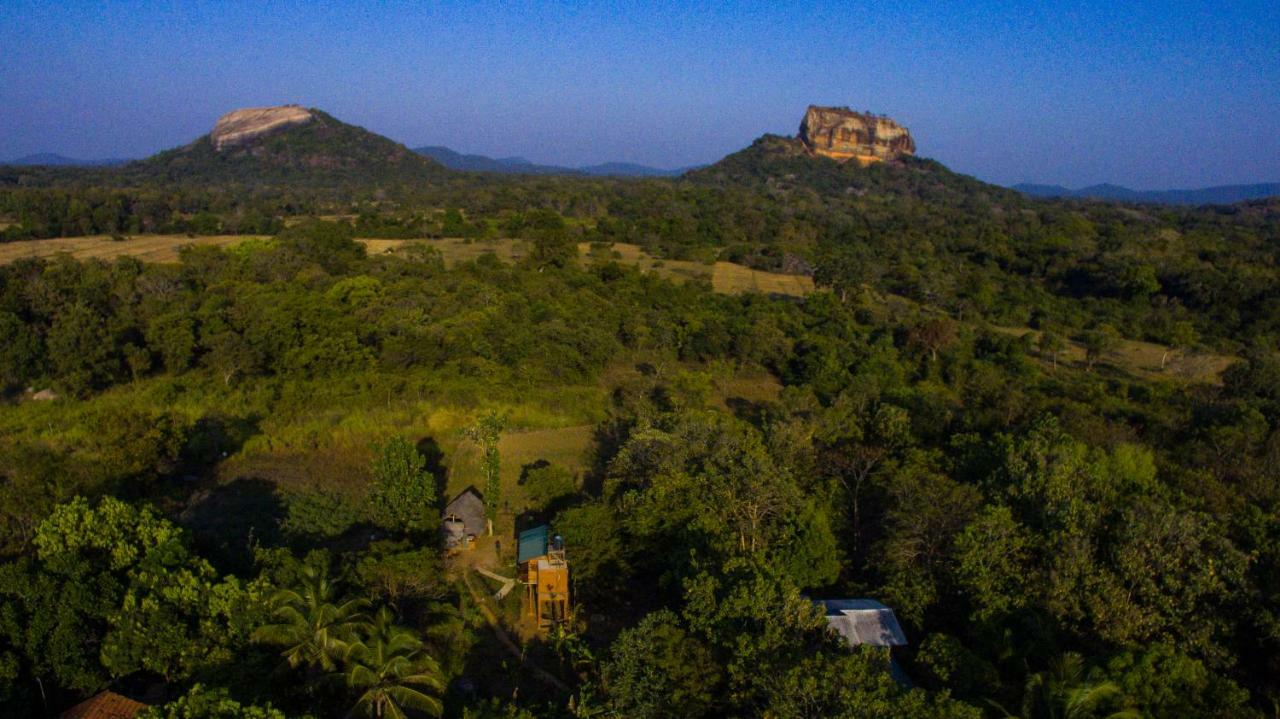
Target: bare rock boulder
column 842, row 134
column 240, row 126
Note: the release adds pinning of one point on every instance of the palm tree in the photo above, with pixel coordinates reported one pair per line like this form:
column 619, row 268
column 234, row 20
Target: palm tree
column 392, row 672
column 309, row 622
column 1068, row 691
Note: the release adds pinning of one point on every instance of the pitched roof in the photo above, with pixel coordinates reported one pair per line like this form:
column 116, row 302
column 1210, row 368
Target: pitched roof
column 469, row 507
column 864, row 621
column 104, row 705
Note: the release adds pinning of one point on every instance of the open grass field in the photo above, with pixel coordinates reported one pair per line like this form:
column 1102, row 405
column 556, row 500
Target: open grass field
column 567, row 447
column 733, row 279
column 725, row 277
column 148, row 248
column 1144, row 359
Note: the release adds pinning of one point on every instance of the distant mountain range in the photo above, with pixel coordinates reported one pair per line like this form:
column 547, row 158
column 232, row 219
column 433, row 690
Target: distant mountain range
column 1219, row 195
column 520, row 166
column 53, row 159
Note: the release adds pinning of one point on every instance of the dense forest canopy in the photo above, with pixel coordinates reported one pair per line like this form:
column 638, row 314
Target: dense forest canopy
column 232, row 507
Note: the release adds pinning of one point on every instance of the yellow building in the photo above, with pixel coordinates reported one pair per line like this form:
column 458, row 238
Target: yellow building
column 544, row 571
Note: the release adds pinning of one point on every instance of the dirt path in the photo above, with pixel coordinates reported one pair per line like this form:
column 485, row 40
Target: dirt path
column 504, row 638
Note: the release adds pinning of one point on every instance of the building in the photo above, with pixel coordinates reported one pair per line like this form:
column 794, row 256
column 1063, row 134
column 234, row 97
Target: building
column 104, row 705
column 866, row 622
column 863, row 621
column 544, row 571
column 463, row 520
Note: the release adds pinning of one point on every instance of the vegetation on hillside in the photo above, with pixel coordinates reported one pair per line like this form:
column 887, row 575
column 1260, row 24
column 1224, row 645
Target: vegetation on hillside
column 232, row 503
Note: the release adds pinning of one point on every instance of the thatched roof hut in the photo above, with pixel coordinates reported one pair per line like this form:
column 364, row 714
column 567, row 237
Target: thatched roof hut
column 467, row 510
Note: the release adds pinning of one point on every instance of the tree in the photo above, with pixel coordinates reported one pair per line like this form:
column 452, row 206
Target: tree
column 1052, row 344
column 114, row 590
column 20, row 350
column 547, row 483
column 133, row 445
column 592, row 532
column 994, row 563
column 331, row 245
column 392, row 672
column 404, row 492
column 927, row 510
column 1099, row 342
column 658, row 671
column 933, row 336
column 1068, row 691
column 1164, row 683
column 173, row 336
column 486, row 432
column 861, row 440
column 202, row 702
column 311, row 623
column 552, row 245
column 1182, row 337
column 82, row 350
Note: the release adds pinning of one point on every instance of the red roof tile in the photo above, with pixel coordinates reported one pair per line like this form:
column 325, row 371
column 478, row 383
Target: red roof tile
column 106, row 705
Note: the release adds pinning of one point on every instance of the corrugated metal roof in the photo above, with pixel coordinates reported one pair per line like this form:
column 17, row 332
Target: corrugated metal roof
column 864, row 621
column 533, row 544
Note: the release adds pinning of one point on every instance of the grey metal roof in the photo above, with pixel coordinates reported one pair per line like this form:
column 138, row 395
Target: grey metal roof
column 864, row 621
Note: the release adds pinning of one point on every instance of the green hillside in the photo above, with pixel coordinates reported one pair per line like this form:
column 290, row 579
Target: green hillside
column 222, row 477
column 321, row 151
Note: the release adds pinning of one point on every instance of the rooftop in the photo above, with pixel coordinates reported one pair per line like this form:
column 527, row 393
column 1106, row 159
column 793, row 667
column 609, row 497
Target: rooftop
column 864, row 621
column 533, row 544
column 104, row 705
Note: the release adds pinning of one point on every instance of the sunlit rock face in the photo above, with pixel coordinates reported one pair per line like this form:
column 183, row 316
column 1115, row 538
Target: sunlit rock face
column 842, row 134
column 240, row 126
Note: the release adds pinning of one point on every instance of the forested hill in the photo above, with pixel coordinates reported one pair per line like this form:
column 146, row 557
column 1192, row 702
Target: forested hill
column 911, row 227
column 1218, row 195
column 220, row 478
column 323, row 150
column 781, row 165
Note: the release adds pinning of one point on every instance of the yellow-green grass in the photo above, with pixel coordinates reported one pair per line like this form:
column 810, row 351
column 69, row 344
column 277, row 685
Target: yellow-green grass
column 1145, row 359
column 567, row 447
column 734, row 279
column 148, row 248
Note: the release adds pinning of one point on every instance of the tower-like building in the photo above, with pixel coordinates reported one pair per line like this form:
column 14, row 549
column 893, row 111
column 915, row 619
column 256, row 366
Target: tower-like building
column 544, row 571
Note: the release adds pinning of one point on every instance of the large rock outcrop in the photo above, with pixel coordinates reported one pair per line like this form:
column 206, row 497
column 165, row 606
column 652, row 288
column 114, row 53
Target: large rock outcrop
column 842, row 134
column 240, row 126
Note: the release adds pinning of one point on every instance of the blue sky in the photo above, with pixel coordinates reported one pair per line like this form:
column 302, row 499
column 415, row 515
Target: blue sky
column 1148, row 94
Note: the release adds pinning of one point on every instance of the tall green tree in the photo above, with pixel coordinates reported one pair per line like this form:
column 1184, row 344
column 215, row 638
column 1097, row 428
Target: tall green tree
column 404, row 492
column 392, row 672
column 311, row 622
column 486, row 432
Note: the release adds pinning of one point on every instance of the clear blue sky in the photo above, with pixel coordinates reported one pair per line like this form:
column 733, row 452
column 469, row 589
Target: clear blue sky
column 1156, row 94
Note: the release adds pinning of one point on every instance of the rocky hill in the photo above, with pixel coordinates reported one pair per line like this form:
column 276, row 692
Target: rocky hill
column 288, row 143
column 240, row 126
column 842, row 134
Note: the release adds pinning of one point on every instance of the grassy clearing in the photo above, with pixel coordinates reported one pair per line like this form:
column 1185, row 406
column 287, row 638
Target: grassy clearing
column 148, row 248
column 1144, row 359
column 567, row 447
column 733, row 279
column 725, row 277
